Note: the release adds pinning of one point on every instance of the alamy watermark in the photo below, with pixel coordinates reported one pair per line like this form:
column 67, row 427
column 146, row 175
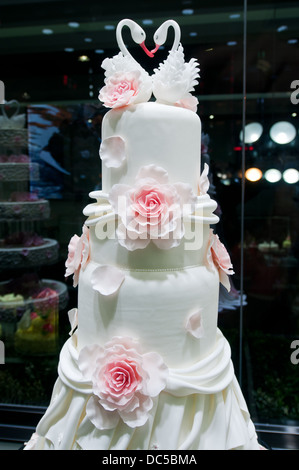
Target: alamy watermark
column 176, row 224
column 2, row 353
column 295, row 354
column 2, row 92
column 295, row 93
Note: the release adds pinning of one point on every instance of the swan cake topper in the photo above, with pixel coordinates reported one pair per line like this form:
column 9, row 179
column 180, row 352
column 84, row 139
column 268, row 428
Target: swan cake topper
column 126, row 82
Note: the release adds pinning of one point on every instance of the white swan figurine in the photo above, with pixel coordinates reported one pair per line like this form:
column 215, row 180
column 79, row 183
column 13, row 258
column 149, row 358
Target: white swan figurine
column 174, row 79
column 124, row 62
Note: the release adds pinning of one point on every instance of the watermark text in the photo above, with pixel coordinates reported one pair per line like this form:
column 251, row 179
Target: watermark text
column 2, row 353
column 295, row 354
column 2, row 92
column 295, row 93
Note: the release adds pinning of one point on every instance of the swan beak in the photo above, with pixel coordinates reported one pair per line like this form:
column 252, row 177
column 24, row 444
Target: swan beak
column 153, row 51
column 149, row 53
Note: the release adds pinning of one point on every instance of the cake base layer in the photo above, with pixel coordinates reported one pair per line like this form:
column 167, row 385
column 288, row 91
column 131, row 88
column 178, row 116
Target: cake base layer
column 198, row 410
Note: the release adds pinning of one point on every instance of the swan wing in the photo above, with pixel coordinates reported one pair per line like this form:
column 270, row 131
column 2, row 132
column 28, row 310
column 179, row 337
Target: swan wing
column 174, row 78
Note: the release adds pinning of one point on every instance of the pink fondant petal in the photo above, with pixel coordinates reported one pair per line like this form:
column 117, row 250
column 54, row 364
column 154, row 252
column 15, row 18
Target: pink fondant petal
column 113, row 151
column 107, row 279
column 194, row 324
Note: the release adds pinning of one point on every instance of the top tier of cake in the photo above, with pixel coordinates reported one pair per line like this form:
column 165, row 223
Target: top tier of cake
column 150, row 134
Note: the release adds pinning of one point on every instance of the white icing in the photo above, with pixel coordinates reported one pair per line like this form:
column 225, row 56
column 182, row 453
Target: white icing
column 167, row 136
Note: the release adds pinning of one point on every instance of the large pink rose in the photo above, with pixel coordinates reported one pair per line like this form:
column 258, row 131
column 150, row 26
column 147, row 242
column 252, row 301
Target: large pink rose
column 151, row 210
column 78, row 255
column 124, row 381
column 121, row 89
column 218, row 256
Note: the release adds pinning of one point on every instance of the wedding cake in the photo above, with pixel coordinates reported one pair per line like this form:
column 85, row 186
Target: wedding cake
column 146, row 366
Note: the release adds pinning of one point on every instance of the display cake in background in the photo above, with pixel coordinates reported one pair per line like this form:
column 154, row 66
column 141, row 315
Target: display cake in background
column 28, row 311
column 146, row 366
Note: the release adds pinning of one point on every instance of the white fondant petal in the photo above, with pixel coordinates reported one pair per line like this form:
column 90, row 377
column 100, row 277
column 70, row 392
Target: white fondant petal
column 87, row 360
column 101, row 418
column 113, row 151
column 117, row 197
column 107, row 279
column 224, row 279
column 157, row 371
column 141, row 414
column 155, row 172
column 187, row 197
column 73, row 319
column 204, row 183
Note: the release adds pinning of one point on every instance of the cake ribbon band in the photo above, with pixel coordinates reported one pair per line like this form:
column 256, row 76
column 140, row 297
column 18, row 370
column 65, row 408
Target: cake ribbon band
column 210, row 375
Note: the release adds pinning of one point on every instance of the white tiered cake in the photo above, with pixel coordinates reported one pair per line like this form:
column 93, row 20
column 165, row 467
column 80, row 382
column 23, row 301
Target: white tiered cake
column 146, row 366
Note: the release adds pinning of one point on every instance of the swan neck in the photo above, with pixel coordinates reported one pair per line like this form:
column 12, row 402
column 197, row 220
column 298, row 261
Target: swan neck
column 119, row 37
column 177, row 34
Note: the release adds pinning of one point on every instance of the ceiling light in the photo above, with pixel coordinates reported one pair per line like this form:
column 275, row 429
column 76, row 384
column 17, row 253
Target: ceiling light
column 109, row 27
column 83, row 58
column 187, row 11
column 68, row 49
column 47, row 31
column 193, row 34
column 282, row 28
column 234, row 16
column 273, row 175
column 231, row 43
column 292, row 41
column 87, row 39
column 291, row 176
column 283, row 132
column 253, row 174
column 253, row 132
column 294, row 114
column 99, row 51
column 74, row 24
column 147, row 21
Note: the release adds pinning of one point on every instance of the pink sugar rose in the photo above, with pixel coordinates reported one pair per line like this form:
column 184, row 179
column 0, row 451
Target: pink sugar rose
column 124, row 381
column 78, row 255
column 151, row 210
column 121, row 89
column 218, row 256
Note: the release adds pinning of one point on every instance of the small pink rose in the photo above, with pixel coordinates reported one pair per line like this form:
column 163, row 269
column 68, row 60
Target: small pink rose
column 78, row 255
column 218, row 256
column 121, row 89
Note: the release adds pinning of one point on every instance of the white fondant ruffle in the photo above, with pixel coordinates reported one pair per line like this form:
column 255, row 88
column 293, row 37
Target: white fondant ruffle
column 202, row 407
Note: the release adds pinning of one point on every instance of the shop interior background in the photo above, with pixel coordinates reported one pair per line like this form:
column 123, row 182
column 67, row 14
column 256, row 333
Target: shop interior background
column 51, row 54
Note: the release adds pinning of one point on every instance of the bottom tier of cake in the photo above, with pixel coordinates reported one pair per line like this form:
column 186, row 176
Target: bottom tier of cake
column 200, row 408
